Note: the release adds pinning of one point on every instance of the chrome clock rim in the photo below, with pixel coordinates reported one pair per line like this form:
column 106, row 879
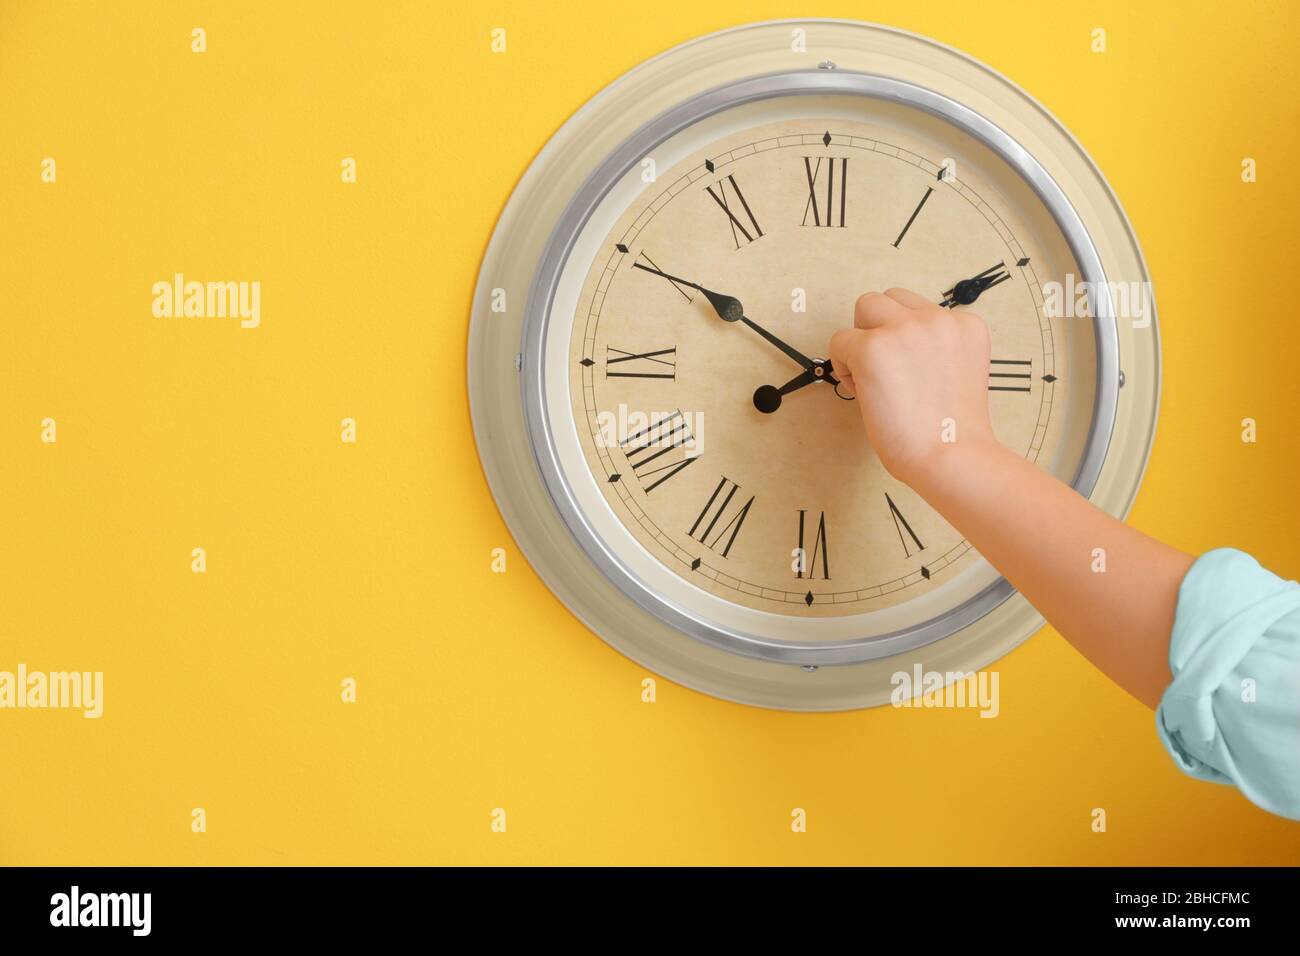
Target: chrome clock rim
column 536, row 327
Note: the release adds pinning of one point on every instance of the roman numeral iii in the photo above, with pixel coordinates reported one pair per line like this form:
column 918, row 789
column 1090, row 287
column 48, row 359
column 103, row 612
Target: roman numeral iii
column 712, row 514
column 808, row 560
column 749, row 231
column 825, row 200
column 1010, row 375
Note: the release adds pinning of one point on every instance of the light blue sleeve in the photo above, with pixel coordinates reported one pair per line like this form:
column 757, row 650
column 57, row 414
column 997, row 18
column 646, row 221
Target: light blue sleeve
column 1232, row 713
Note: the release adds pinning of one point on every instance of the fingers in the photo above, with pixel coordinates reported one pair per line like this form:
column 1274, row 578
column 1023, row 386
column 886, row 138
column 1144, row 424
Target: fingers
column 909, row 299
column 875, row 310
column 845, row 345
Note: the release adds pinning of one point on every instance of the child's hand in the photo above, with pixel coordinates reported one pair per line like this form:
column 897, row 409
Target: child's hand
column 920, row 374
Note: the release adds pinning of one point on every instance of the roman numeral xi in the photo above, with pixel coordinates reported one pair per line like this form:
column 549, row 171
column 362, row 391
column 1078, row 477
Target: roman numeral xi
column 748, row 230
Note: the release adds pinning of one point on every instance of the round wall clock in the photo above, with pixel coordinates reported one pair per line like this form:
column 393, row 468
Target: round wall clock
column 651, row 319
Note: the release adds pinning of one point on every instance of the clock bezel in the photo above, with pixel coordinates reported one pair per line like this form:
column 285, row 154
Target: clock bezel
column 559, row 245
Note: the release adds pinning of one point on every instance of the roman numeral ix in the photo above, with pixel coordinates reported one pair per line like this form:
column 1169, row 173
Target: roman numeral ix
column 661, row 363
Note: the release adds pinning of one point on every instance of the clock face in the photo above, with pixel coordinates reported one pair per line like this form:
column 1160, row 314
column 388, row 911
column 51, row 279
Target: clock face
column 781, row 521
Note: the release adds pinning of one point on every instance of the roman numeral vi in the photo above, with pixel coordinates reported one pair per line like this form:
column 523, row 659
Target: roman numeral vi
column 819, row 546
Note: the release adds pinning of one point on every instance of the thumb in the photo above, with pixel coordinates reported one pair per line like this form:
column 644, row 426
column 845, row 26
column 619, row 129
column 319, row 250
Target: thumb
column 845, row 351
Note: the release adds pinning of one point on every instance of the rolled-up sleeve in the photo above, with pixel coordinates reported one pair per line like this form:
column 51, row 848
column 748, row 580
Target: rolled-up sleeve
column 1232, row 713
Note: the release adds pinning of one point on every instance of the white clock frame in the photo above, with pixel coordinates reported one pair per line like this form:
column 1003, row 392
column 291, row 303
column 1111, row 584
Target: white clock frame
column 536, row 232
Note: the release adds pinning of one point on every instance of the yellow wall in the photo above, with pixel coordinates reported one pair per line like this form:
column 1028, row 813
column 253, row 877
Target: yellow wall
column 328, row 560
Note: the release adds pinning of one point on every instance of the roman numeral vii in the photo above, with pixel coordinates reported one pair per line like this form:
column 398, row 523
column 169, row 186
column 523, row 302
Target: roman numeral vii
column 714, row 510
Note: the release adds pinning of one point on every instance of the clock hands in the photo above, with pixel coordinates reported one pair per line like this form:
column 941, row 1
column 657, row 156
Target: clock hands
column 729, row 309
column 968, row 290
column 767, row 398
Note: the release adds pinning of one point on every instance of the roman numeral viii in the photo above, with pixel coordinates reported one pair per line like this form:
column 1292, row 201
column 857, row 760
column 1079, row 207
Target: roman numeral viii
column 714, row 510
column 823, row 203
column 750, row 231
column 661, row 363
column 656, row 452
column 803, row 560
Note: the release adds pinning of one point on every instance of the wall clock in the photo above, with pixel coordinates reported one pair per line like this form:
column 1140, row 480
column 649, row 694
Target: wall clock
column 650, row 318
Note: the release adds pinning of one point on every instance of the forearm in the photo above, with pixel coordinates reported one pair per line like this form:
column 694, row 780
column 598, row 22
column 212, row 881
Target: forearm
column 1043, row 537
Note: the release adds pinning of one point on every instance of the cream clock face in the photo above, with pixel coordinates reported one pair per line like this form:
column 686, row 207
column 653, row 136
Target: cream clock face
column 771, row 512
column 647, row 373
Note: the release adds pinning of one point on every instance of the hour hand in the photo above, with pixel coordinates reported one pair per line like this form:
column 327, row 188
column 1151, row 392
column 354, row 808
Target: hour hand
column 968, row 290
column 728, row 307
column 767, row 398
